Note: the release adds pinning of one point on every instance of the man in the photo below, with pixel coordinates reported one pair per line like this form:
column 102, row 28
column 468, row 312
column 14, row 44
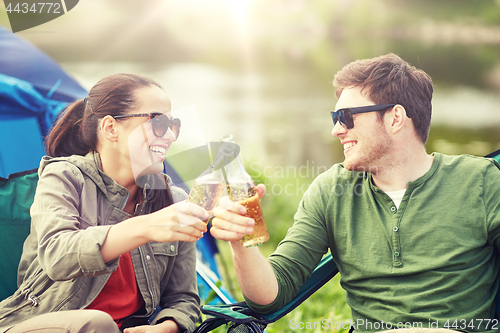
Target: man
column 415, row 236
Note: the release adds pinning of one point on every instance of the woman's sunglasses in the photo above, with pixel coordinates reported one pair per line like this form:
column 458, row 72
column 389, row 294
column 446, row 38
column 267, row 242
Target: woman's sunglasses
column 160, row 123
column 344, row 116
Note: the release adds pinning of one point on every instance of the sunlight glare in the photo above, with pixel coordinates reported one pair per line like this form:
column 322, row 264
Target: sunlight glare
column 239, row 8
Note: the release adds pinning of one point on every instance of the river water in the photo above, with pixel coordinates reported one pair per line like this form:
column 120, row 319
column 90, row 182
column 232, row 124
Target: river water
column 283, row 119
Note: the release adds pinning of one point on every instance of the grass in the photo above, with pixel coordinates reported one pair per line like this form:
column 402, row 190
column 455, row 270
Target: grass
column 326, row 309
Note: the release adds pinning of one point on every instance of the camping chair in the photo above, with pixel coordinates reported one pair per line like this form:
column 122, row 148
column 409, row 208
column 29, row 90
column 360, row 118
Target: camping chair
column 241, row 319
column 16, row 196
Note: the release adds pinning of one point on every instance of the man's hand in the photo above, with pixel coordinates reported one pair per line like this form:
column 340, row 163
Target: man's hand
column 229, row 223
column 254, row 273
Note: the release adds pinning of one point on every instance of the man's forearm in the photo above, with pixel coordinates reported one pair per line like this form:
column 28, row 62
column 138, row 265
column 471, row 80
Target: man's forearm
column 255, row 274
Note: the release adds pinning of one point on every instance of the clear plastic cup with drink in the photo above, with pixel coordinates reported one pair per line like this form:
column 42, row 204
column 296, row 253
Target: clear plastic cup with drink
column 207, row 189
column 246, row 195
column 241, row 189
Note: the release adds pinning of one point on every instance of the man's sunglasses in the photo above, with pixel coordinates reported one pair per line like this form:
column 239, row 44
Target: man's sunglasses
column 160, row 123
column 344, row 116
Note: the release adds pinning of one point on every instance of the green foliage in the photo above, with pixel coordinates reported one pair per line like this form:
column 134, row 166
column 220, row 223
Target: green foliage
column 211, row 296
column 327, row 307
column 451, row 140
column 482, row 11
column 323, row 35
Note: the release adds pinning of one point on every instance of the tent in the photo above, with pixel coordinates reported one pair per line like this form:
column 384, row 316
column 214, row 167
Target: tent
column 33, row 90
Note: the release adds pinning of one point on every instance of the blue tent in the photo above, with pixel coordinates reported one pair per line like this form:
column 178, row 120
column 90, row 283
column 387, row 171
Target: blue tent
column 34, row 89
column 24, row 61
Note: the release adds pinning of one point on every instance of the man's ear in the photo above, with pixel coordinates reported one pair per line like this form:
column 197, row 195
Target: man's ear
column 397, row 118
column 108, row 128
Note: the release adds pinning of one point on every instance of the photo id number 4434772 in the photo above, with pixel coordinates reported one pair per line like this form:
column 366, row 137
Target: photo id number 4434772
column 462, row 324
column 35, row 8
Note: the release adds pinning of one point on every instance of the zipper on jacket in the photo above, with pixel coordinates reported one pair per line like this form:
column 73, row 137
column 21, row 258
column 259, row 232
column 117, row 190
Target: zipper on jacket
column 68, row 298
column 141, row 211
column 34, row 300
column 140, row 206
column 147, row 280
column 30, row 293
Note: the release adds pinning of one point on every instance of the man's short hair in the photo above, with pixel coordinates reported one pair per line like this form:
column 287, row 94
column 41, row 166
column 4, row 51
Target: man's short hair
column 388, row 79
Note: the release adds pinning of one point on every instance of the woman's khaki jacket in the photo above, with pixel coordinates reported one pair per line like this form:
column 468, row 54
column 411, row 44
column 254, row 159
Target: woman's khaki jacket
column 61, row 267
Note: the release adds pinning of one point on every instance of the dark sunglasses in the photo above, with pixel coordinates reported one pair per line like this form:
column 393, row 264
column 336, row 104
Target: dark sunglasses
column 345, row 115
column 160, row 123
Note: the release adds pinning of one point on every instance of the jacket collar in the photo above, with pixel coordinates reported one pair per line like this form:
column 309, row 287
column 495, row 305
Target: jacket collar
column 91, row 166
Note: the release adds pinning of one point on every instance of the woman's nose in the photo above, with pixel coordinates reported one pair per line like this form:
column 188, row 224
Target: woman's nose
column 169, row 135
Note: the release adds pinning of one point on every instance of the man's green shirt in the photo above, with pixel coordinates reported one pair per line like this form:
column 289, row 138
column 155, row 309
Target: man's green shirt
column 433, row 259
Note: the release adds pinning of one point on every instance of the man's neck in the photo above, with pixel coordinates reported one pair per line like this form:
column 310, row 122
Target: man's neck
column 400, row 171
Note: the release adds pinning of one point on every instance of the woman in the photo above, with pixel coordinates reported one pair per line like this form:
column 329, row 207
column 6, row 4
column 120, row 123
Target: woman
column 111, row 238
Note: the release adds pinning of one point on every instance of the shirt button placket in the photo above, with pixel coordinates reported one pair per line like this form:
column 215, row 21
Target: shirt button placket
column 396, row 244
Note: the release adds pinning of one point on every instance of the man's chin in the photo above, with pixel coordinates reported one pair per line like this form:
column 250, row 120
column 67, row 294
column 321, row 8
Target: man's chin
column 348, row 165
column 351, row 166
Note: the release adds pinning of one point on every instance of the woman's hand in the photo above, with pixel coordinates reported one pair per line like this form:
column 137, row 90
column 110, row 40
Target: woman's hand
column 168, row 326
column 177, row 222
column 229, row 223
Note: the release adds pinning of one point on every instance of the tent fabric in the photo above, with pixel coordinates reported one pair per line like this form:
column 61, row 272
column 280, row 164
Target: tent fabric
column 25, row 118
column 33, row 90
column 22, row 60
column 20, row 99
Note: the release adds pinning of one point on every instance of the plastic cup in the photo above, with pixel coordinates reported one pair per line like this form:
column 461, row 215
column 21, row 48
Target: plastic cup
column 254, row 211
